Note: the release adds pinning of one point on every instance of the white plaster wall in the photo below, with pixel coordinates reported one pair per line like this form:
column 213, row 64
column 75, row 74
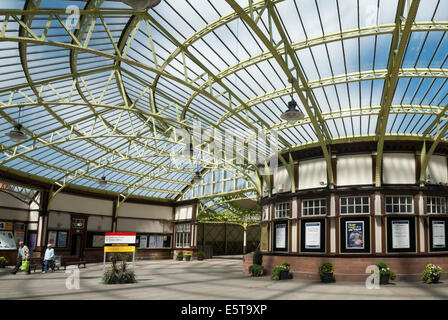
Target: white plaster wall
column 354, row 170
column 6, row 200
column 378, row 239
column 294, row 236
column 138, row 210
column 399, row 168
column 183, row 213
column 281, row 177
column 9, row 214
column 437, row 169
column 79, row 204
column 311, row 173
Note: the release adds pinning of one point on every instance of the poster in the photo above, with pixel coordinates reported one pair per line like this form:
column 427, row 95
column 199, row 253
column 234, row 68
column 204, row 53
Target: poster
column 280, row 236
column 7, row 240
column 438, row 234
column 312, row 235
column 6, row 225
column 143, row 241
column 62, row 239
column 152, row 241
column 354, row 234
column 400, row 234
column 19, row 236
column 52, row 235
column 159, row 241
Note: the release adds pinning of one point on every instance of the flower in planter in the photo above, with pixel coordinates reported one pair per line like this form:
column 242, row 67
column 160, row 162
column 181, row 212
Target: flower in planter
column 201, row 255
column 385, row 273
column 431, row 273
column 3, row 262
column 281, row 269
column 326, row 272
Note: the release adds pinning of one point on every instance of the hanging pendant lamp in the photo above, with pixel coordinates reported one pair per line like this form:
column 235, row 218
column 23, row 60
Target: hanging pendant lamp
column 141, row 4
column 293, row 114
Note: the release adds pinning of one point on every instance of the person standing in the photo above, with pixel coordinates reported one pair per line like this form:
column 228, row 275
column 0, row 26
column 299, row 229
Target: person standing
column 23, row 254
column 48, row 258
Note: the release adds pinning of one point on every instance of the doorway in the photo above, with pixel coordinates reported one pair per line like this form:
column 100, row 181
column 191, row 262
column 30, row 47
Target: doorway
column 76, row 245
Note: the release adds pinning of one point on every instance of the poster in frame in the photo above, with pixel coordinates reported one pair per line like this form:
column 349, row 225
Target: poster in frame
column 354, row 235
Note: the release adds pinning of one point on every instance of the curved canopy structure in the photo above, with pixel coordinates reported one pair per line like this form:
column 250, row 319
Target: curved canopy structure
column 103, row 90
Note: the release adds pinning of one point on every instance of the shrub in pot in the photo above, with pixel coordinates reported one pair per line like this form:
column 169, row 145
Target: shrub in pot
column 256, row 270
column 180, row 256
column 201, row 255
column 326, row 272
column 118, row 273
column 385, row 273
column 3, row 262
column 187, row 256
column 431, row 273
column 257, row 258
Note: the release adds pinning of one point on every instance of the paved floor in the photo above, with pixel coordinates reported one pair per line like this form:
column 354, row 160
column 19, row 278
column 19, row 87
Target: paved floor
column 195, row 280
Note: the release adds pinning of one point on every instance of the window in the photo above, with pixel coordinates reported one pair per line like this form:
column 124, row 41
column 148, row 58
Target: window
column 399, row 204
column 183, row 235
column 355, row 205
column 154, row 241
column 436, row 205
column 282, row 210
column 95, row 240
column 314, row 207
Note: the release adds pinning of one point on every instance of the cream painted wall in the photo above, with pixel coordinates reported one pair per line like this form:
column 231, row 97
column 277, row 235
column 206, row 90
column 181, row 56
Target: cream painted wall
column 281, row 178
column 59, row 220
column 7, row 200
column 9, row 214
column 144, row 226
column 137, row 210
column 294, row 236
column 311, row 173
column 79, row 204
column 399, row 168
column 354, row 170
column 96, row 223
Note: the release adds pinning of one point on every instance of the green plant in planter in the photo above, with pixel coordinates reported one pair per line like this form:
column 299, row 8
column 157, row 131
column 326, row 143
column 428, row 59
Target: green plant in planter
column 326, row 272
column 3, row 262
column 201, row 255
column 431, row 273
column 385, row 273
column 280, row 270
column 180, row 256
column 257, row 258
column 256, row 270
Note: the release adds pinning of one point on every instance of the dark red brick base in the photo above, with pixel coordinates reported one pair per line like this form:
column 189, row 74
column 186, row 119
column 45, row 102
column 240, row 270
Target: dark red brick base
column 350, row 268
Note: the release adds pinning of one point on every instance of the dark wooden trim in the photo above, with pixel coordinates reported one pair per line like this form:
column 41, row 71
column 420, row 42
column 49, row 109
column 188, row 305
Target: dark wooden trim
column 418, row 168
column 373, row 169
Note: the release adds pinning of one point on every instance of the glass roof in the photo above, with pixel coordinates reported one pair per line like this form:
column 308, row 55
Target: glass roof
column 103, row 90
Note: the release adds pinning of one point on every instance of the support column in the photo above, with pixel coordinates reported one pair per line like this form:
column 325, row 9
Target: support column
column 244, row 237
column 42, row 222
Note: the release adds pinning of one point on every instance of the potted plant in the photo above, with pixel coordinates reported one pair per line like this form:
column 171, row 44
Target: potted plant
column 326, row 272
column 187, row 256
column 431, row 273
column 3, row 262
column 180, row 256
column 257, row 258
column 385, row 273
column 201, row 255
column 281, row 272
column 256, row 270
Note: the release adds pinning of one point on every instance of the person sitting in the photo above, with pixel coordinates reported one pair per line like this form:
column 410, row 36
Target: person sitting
column 23, row 254
column 48, row 258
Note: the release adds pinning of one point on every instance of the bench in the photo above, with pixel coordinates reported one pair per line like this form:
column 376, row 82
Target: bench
column 39, row 263
column 73, row 263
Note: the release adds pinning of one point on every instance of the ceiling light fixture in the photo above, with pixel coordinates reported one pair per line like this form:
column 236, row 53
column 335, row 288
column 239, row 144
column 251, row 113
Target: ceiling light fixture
column 141, row 4
column 16, row 135
column 293, row 113
column 103, row 181
column 197, row 177
column 188, row 151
